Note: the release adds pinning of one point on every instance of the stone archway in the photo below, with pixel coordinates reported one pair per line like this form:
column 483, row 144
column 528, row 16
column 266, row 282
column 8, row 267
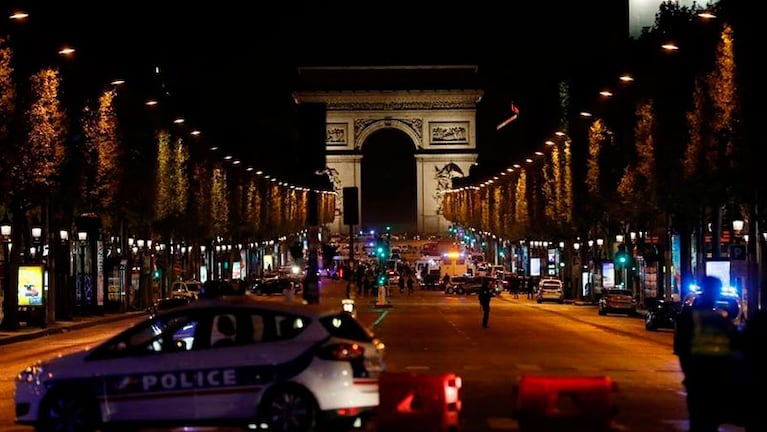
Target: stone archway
column 440, row 123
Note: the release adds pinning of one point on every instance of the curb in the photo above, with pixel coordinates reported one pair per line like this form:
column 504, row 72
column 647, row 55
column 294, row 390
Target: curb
column 26, row 334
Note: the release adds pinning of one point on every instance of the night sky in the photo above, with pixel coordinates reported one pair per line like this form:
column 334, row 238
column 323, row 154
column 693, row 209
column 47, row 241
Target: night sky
column 229, row 67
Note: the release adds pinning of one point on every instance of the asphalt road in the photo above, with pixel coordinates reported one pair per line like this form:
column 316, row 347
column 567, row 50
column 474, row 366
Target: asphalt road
column 431, row 333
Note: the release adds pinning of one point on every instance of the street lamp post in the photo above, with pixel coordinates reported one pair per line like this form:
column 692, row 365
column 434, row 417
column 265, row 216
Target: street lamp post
column 576, row 270
column 64, row 293
column 6, row 230
column 82, row 237
column 592, row 268
column 37, row 234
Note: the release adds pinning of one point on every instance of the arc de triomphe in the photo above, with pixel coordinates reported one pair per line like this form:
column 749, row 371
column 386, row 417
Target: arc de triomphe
column 440, row 123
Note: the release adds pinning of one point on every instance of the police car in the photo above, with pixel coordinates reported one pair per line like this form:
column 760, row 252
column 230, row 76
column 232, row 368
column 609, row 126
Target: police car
column 225, row 361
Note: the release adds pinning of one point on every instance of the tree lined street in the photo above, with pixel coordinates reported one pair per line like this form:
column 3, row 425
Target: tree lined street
column 434, row 333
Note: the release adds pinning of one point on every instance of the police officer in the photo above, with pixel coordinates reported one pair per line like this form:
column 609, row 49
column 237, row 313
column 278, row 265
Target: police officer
column 485, row 294
column 704, row 341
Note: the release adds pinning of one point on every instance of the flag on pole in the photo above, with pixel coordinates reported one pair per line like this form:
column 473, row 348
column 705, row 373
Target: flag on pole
column 514, row 115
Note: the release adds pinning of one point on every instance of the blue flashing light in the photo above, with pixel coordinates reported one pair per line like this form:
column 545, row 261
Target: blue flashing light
column 727, row 291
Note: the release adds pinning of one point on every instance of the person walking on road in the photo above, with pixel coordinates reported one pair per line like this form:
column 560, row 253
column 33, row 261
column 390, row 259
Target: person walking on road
column 410, row 283
column 485, row 294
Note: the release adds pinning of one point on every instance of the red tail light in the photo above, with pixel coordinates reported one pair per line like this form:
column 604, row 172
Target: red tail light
column 341, row 351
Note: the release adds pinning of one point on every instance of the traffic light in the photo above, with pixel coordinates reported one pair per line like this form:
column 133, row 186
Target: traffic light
column 156, row 274
column 622, row 258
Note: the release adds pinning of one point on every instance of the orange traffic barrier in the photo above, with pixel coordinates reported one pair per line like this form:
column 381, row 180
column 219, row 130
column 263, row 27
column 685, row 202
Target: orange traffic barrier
column 419, row 402
column 546, row 403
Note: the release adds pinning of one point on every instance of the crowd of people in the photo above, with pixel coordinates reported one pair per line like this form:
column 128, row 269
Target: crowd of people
column 367, row 277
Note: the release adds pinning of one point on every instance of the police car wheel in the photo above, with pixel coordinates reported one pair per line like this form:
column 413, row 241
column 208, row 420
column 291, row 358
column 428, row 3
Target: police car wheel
column 66, row 411
column 289, row 409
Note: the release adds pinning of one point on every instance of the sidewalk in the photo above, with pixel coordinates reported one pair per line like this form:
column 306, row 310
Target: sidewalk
column 27, row 333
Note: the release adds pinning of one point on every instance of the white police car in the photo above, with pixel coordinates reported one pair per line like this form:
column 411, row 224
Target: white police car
column 226, row 361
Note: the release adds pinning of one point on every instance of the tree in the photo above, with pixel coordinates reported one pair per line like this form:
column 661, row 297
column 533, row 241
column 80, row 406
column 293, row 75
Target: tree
column 100, row 185
column 36, row 171
column 219, row 206
column 43, row 153
column 163, row 205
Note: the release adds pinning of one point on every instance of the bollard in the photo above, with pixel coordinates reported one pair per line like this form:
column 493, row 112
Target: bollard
column 382, row 301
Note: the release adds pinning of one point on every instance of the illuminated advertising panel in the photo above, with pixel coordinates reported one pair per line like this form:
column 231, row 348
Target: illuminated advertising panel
column 721, row 270
column 535, row 266
column 30, row 287
column 585, row 284
column 236, row 268
column 608, row 274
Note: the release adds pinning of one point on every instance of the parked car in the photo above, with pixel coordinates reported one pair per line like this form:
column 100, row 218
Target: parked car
column 618, row 301
column 233, row 360
column 463, row 285
column 271, row 286
column 168, row 303
column 550, row 289
column 455, row 284
column 187, row 288
column 662, row 315
column 219, row 287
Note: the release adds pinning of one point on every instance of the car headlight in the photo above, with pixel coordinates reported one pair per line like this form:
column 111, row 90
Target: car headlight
column 31, row 374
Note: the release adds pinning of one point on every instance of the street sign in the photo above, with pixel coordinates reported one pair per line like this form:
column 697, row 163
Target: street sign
column 738, row 252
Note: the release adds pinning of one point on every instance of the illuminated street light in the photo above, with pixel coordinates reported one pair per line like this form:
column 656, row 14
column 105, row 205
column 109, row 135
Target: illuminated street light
column 737, row 225
column 67, row 51
column 626, row 78
column 19, row 15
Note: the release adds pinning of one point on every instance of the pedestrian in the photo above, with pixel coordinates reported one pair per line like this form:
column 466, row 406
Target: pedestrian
column 704, row 341
column 401, row 283
column 410, row 284
column 289, row 291
column 485, row 294
column 348, row 276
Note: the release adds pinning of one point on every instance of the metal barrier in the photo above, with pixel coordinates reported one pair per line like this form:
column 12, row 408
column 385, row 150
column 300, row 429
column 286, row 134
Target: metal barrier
column 548, row 403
